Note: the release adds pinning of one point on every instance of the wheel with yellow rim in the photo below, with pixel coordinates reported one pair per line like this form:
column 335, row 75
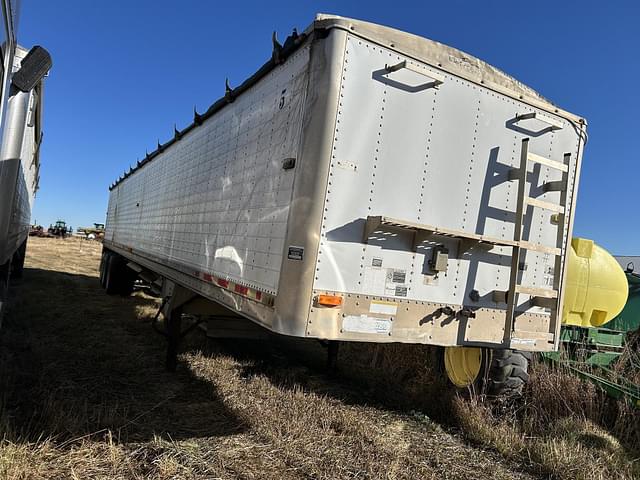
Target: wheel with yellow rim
column 493, row 372
column 463, row 365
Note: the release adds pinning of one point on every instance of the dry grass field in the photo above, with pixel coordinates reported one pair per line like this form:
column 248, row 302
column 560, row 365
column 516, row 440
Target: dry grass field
column 85, row 395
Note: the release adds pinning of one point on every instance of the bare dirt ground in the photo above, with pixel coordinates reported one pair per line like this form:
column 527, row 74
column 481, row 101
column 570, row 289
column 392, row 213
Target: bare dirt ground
column 85, row 395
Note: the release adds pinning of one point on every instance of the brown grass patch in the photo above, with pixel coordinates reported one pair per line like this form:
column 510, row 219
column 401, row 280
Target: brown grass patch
column 563, row 427
column 85, row 395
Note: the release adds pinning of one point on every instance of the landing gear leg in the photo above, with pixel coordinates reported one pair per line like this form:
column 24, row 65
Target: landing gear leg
column 174, row 334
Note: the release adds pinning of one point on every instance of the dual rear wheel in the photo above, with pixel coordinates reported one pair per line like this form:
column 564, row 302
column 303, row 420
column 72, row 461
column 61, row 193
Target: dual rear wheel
column 115, row 277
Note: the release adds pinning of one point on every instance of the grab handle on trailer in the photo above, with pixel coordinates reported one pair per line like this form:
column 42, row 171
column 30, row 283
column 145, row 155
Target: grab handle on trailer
column 436, row 78
column 553, row 123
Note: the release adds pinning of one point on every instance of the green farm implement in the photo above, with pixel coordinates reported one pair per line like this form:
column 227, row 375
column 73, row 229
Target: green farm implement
column 595, row 353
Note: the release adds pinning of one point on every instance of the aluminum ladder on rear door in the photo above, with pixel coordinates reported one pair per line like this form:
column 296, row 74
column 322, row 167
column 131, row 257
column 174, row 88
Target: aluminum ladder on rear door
column 543, row 297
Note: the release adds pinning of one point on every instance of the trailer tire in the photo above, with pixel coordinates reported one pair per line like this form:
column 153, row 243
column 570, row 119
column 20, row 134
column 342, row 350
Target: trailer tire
column 508, row 373
column 103, row 267
column 127, row 281
column 111, row 275
column 17, row 263
column 119, row 278
column 491, row 372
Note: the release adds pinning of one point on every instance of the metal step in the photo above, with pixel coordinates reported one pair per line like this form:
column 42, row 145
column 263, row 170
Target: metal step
column 534, row 202
column 532, row 157
column 541, row 297
column 536, row 291
column 536, row 247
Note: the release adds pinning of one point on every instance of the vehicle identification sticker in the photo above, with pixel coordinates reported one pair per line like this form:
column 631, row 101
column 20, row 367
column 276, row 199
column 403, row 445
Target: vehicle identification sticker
column 383, row 308
column 295, row 253
column 522, row 341
column 365, row 324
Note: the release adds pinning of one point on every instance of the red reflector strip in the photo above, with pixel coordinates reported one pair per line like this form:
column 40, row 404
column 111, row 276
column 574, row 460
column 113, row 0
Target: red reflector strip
column 241, row 290
column 235, row 288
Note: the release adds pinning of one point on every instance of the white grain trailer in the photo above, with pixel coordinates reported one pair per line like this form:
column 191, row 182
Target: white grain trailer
column 364, row 185
column 21, row 93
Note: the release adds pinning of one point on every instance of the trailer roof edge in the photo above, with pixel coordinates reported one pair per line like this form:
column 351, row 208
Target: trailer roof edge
column 437, row 55
column 443, row 57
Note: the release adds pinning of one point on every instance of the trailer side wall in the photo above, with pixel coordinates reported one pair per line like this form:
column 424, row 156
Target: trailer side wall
column 217, row 201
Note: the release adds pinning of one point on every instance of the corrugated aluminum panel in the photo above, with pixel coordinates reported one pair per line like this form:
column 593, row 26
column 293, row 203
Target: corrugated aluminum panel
column 217, row 200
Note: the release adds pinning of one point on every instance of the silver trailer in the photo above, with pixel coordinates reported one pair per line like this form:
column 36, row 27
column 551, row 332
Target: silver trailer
column 364, row 185
column 21, row 91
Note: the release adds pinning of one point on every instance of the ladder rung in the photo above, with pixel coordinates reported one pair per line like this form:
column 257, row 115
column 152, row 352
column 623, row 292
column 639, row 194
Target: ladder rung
column 556, row 186
column 547, row 162
column 548, row 336
column 537, row 292
column 536, row 247
column 534, row 202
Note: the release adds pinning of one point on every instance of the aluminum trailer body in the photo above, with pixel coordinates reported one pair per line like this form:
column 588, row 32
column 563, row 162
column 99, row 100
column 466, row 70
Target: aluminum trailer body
column 369, row 185
column 8, row 169
column 21, row 90
column 19, row 164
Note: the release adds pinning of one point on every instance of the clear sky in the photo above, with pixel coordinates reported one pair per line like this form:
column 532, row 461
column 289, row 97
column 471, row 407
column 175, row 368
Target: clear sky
column 126, row 71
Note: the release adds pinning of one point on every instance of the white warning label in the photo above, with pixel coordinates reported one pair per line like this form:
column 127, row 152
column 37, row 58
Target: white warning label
column 383, row 308
column 365, row 324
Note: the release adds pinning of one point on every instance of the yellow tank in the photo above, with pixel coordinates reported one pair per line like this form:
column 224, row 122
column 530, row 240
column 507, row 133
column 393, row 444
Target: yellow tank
column 596, row 287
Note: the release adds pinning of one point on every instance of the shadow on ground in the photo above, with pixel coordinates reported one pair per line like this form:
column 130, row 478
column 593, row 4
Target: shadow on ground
column 79, row 368
column 393, row 377
column 75, row 362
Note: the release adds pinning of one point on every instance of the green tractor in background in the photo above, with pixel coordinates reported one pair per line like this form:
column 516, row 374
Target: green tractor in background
column 60, row 229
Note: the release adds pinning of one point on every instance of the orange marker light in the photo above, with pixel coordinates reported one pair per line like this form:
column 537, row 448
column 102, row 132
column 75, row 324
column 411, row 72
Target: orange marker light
column 329, row 300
